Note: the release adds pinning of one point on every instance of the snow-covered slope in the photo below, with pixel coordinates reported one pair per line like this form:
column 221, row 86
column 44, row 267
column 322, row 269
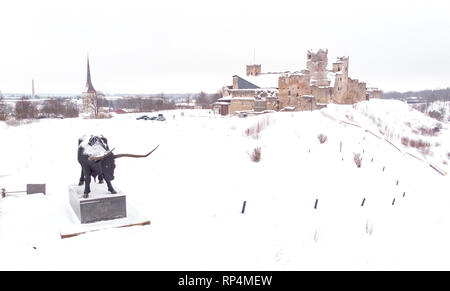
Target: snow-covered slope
column 193, row 186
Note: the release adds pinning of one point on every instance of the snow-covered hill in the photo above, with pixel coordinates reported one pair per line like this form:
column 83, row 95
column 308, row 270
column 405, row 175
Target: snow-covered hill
column 193, row 188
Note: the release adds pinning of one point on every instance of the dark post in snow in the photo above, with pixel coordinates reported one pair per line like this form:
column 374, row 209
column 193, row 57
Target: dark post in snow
column 364, row 200
column 397, row 182
column 393, row 201
column 3, row 192
column 404, row 194
column 315, row 204
column 383, row 169
column 340, row 147
column 243, row 206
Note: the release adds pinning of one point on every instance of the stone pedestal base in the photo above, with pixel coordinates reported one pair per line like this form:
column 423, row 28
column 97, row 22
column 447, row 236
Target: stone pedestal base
column 101, row 205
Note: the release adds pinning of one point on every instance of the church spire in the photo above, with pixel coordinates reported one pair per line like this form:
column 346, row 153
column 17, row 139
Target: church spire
column 89, row 87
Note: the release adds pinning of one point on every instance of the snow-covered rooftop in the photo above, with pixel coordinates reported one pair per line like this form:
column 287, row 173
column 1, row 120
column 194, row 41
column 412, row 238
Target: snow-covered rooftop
column 264, row 80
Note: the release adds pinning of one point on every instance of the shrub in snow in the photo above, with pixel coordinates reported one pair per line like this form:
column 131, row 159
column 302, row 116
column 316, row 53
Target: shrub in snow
column 419, row 144
column 358, row 159
column 255, row 130
column 436, row 115
column 322, row 138
column 101, row 115
column 430, row 131
column 15, row 122
column 405, row 141
column 255, row 156
column 437, row 128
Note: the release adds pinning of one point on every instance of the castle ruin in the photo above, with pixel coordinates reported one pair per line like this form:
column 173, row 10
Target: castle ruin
column 309, row 89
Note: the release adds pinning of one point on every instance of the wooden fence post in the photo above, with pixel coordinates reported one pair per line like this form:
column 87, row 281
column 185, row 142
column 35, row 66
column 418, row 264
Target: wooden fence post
column 243, row 207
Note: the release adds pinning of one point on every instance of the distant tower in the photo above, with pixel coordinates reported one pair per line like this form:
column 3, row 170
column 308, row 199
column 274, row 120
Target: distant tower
column 317, row 63
column 340, row 68
column 89, row 93
column 254, row 69
column 33, row 93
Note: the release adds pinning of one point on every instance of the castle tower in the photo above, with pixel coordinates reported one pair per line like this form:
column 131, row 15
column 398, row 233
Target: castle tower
column 317, row 64
column 90, row 93
column 340, row 68
column 253, row 70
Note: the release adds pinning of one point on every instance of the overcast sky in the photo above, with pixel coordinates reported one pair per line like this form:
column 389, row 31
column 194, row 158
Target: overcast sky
column 176, row 46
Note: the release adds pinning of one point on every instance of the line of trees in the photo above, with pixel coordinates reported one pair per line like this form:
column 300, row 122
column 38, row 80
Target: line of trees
column 140, row 104
column 59, row 107
column 28, row 109
column 426, row 95
column 206, row 100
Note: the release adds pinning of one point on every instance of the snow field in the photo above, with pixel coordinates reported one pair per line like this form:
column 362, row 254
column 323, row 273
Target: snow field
column 193, row 186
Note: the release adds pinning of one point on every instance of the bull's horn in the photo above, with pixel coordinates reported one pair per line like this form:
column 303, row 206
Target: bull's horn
column 101, row 157
column 135, row 156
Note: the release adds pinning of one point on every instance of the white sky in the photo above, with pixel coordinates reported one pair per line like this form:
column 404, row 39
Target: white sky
column 187, row 46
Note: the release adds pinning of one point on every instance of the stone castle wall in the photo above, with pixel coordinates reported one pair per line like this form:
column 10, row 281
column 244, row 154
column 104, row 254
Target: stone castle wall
column 322, row 95
column 356, row 91
column 292, row 87
column 240, row 104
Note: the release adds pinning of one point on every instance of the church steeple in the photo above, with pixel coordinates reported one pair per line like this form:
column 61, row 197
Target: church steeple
column 89, row 87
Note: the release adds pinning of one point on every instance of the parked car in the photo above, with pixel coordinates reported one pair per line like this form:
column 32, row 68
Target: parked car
column 160, row 117
column 144, row 117
column 242, row 114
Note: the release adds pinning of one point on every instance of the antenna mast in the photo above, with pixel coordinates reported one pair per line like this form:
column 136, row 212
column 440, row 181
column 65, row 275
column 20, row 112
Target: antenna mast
column 33, row 94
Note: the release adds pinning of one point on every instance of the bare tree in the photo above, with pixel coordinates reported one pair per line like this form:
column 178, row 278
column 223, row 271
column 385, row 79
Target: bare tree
column 202, row 99
column 214, row 97
column 25, row 109
column 70, row 109
column 94, row 102
column 53, row 107
column 3, row 108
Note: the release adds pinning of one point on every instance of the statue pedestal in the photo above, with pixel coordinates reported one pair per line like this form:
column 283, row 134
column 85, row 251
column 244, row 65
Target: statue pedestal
column 101, row 205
